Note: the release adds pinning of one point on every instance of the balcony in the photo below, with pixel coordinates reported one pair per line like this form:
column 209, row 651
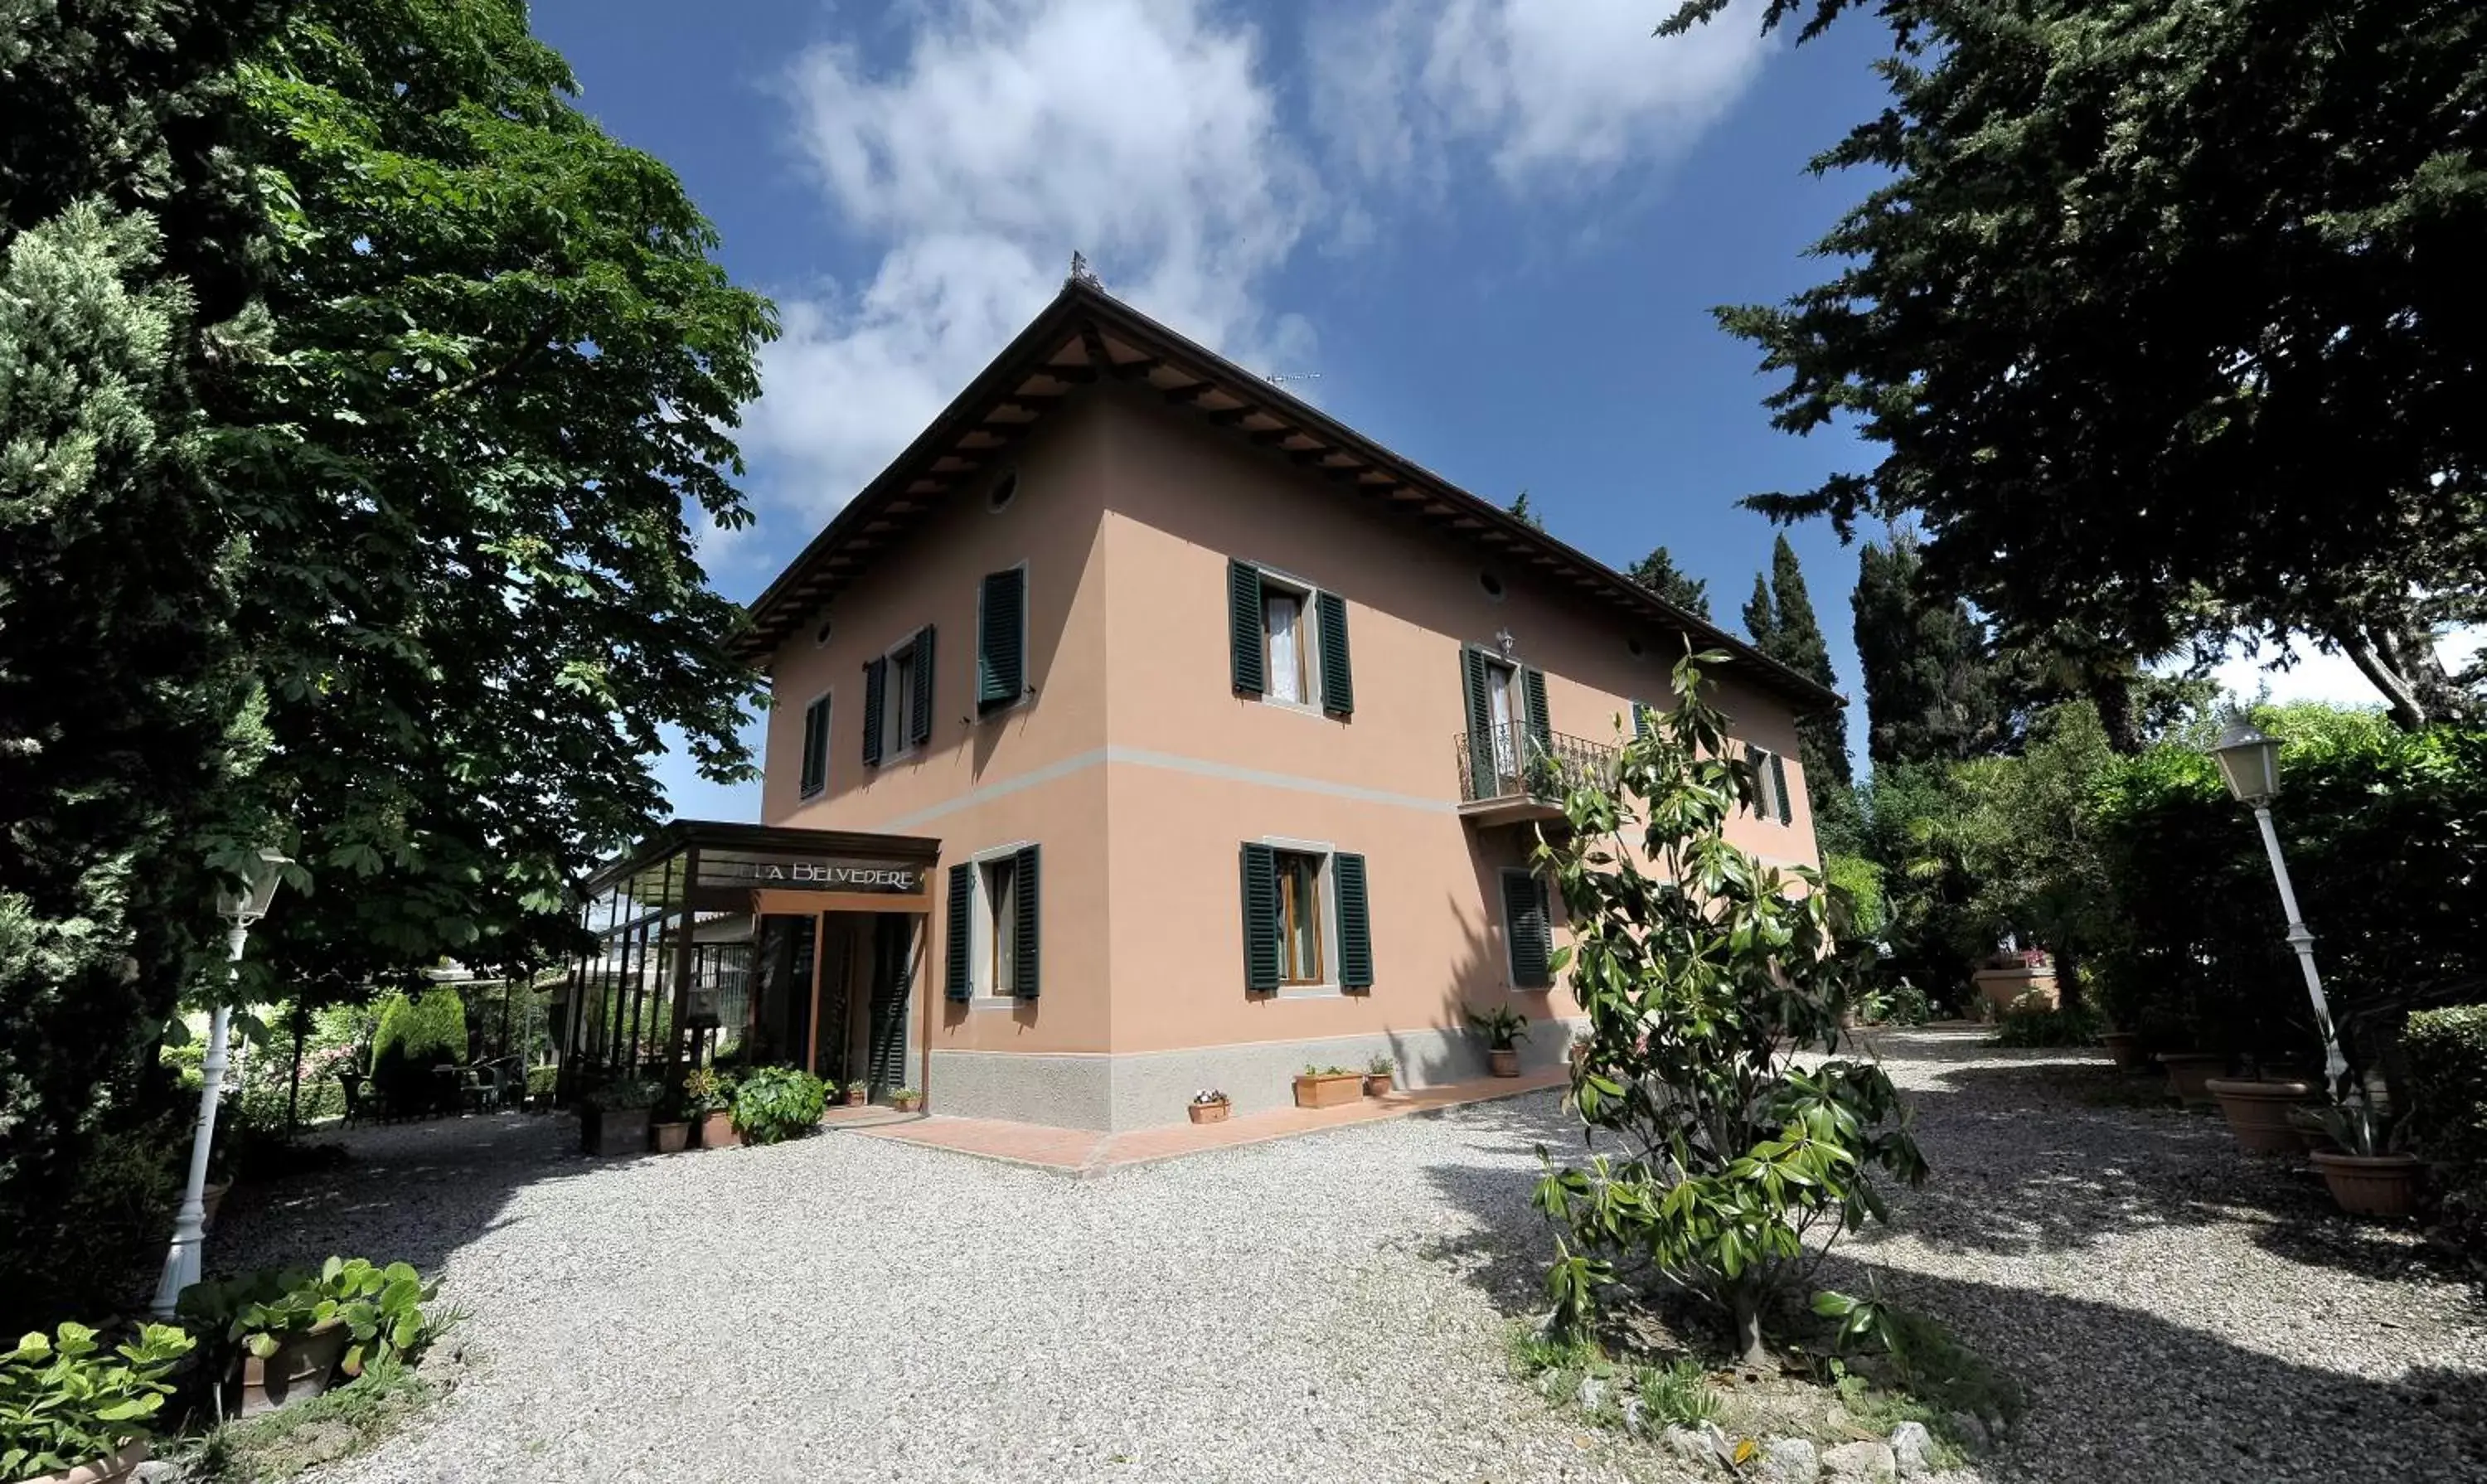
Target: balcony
column 1510, row 776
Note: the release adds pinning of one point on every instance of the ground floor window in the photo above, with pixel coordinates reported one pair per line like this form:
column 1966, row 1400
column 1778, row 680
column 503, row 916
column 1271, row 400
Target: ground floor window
column 1300, row 919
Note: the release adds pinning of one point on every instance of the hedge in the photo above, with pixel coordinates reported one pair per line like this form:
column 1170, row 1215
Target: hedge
column 414, row 1036
column 2446, row 1055
column 2385, row 836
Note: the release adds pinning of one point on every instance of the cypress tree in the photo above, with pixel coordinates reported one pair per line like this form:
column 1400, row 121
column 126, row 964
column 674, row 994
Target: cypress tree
column 1658, row 573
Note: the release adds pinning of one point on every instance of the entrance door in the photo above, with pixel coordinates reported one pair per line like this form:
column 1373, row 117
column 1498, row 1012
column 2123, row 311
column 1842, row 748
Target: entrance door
column 893, row 978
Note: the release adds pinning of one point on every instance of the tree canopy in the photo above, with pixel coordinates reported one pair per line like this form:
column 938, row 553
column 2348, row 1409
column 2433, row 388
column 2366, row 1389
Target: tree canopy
column 1780, row 618
column 1658, row 573
column 2164, row 320
column 1932, row 692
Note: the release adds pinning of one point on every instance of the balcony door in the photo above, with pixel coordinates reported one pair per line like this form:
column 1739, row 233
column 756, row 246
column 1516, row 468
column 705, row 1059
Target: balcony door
column 1503, row 709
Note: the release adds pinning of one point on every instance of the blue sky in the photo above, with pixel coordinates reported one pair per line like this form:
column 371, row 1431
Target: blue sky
column 1493, row 228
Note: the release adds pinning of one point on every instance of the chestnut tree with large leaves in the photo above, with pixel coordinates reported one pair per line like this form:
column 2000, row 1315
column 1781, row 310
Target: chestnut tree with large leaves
column 2166, row 319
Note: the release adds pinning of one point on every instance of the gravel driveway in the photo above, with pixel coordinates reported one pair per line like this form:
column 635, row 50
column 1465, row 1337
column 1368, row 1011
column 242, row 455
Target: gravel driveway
column 1333, row 1306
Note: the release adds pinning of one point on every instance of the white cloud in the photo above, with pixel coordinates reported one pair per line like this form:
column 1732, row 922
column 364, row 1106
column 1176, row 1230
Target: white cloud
column 1139, row 131
column 1150, row 134
column 1555, row 95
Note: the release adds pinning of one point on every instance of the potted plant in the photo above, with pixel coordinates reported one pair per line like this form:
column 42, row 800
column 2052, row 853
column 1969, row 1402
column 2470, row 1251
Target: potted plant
column 2189, row 1074
column 775, row 1104
column 1327, row 1086
column 1377, row 1076
column 2368, row 1173
column 669, row 1126
column 613, row 1119
column 2258, row 1111
column 856, row 1093
column 1503, row 1030
column 708, row 1100
column 2125, row 1046
column 71, row 1412
column 1208, row 1105
column 906, row 1100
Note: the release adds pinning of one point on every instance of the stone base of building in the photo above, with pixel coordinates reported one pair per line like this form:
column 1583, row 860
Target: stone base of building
column 1113, row 1092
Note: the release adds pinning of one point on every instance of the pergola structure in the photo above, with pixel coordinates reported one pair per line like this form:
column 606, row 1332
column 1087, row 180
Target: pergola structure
column 764, row 945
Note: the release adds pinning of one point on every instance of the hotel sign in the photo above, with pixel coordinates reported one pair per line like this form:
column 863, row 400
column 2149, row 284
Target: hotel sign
column 793, row 873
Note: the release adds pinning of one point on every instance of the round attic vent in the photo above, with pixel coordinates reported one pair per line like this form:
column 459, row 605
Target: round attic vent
column 1492, row 584
column 1005, row 491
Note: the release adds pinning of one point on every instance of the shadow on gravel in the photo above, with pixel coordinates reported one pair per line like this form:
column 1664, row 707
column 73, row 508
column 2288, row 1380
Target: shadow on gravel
column 414, row 1193
column 2116, row 1392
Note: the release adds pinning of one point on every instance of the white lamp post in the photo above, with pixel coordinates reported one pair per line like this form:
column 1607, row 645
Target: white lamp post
column 190, row 1223
column 2249, row 761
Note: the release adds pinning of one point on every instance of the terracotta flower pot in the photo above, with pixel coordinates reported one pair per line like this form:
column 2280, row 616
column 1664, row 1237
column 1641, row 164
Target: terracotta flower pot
column 670, row 1137
column 212, row 1200
column 1332, row 1089
column 610, row 1131
column 907, row 1105
column 858, row 1095
column 1210, row 1112
column 2125, row 1046
column 1504, row 1062
column 2257, row 1112
column 2369, row 1185
column 716, row 1130
column 302, row 1366
column 2188, row 1074
column 1376, row 1084
column 111, row 1469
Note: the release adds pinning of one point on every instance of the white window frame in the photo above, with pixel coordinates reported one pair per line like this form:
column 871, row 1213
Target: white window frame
column 801, row 794
column 1511, row 940
column 982, row 993
column 895, row 743
column 1306, row 597
column 976, row 642
column 1328, row 988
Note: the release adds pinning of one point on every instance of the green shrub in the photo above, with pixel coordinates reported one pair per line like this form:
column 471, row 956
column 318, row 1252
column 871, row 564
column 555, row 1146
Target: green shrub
column 2446, row 1053
column 1719, row 1152
column 381, row 1307
column 416, row 1035
column 2070, row 1026
column 541, row 1080
column 1862, row 880
column 778, row 1103
column 66, row 1401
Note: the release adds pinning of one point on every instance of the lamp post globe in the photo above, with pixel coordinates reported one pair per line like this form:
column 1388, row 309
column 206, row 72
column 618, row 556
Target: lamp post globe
column 2250, row 762
column 239, row 909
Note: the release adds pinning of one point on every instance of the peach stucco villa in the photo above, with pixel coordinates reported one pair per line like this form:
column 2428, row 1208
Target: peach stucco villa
column 1142, row 729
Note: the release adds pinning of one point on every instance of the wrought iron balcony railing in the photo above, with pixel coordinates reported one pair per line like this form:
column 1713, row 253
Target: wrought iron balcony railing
column 1512, row 761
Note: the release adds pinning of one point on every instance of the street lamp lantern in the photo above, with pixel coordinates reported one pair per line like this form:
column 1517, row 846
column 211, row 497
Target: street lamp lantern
column 240, row 909
column 2250, row 763
column 259, row 881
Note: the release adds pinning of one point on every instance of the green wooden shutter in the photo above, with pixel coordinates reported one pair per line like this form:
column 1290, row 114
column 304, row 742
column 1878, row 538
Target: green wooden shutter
column 1243, row 628
column 1778, row 786
column 876, row 692
column 1001, row 638
column 1355, row 923
column 919, row 721
column 1472, row 678
column 1337, row 677
column 816, row 746
column 1260, row 917
column 1640, row 718
column 962, row 903
column 1024, row 929
column 1532, row 937
column 1533, row 682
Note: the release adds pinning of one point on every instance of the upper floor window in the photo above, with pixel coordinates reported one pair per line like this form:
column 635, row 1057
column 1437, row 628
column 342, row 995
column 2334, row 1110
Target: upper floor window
column 1770, row 801
column 898, row 699
column 1001, row 639
column 816, row 747
column 1288, row 641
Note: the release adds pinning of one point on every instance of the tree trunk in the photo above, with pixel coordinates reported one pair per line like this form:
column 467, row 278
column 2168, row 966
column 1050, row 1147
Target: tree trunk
column 293, row 1081
column 2401, row 701
column 2112, row 693
column 1749, row 1350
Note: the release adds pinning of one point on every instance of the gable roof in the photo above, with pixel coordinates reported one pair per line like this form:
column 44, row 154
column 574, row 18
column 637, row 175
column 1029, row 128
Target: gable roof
column 1086, row 335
